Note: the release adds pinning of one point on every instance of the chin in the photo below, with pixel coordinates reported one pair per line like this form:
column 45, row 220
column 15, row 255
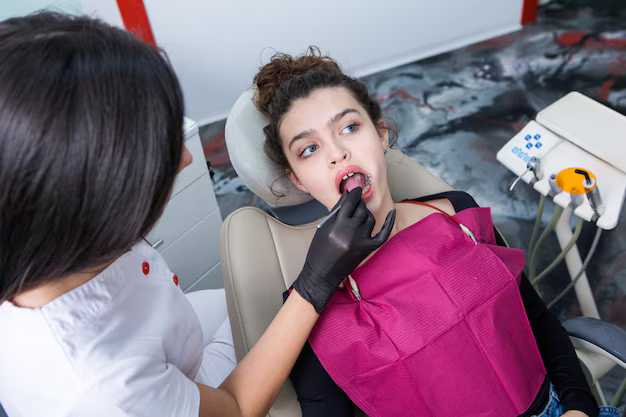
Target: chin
column 373, row 203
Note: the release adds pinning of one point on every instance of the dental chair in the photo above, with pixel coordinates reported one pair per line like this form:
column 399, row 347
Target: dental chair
column 263, row 252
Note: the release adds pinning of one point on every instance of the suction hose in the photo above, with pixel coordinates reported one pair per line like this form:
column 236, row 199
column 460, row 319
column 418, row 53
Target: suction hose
column 617, row 398
column 596, row 239
column 531, row 247
column 567, row 248
column 558, row 210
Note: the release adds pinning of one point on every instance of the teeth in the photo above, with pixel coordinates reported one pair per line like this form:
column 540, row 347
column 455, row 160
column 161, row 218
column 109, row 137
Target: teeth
column 368, row 181
column 345, row 177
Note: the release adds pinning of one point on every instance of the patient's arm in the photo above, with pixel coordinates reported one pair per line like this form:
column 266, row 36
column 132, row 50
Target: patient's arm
column 318, row 394
column 557, row 353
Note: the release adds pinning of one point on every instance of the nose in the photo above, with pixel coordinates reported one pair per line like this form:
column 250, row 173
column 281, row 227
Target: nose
column 337, row 153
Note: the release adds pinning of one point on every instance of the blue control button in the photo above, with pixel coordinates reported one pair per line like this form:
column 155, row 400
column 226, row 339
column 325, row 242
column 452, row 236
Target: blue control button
column 538, row 145
column 527, row 137
column 529, row 145
column 526, row 158
column 537, row 136
column 521, row 154
column 516, row 149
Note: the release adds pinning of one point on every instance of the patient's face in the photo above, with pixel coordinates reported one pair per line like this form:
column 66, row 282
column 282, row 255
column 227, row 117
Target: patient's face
column 332, row 145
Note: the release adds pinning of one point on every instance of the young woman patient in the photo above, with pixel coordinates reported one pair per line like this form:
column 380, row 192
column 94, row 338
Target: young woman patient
column 440, row 321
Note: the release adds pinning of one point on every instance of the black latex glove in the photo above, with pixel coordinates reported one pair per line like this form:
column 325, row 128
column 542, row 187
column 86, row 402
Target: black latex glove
column 338, row 247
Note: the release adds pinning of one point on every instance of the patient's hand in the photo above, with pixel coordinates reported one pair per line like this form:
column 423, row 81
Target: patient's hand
column 574, row 413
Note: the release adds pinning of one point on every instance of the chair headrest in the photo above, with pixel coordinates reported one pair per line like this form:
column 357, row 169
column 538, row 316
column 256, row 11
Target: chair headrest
column 245, row 140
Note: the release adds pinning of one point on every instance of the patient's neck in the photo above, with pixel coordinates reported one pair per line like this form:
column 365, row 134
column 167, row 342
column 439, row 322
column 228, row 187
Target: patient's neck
column 380, row 215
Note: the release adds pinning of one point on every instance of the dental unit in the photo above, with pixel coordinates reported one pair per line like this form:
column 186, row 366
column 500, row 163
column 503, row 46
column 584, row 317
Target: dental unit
column 575, row 154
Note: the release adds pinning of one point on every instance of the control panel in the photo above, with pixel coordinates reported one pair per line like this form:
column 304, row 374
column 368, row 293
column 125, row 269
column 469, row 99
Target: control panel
column 533, row 140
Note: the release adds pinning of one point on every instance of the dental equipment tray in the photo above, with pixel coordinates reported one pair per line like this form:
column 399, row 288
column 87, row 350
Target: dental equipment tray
column 574, row 132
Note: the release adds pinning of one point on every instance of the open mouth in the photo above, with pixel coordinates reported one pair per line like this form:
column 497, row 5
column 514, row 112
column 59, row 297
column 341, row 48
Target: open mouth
column 352, row 179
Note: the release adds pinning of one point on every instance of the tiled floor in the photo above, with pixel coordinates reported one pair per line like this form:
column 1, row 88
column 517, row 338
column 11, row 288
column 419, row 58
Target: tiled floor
column 456, row 110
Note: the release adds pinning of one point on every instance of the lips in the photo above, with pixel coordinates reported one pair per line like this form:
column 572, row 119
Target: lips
column 348, row 173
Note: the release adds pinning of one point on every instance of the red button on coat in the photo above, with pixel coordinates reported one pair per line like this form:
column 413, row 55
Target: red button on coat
column 145, row 267
column 175, row 278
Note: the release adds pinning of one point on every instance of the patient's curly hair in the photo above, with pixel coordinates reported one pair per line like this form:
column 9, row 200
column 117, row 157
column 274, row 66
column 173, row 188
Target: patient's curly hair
column 286, row 79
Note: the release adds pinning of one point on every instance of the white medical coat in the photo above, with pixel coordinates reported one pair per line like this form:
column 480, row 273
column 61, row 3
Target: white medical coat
column 126, row 343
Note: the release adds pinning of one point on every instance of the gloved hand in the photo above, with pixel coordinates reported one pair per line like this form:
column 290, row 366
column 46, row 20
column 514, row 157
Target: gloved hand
column 338, row 247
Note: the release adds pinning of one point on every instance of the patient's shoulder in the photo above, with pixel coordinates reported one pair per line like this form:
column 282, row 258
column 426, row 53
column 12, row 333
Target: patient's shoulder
column 460, row 200
column 450, row 202
column 409, row 214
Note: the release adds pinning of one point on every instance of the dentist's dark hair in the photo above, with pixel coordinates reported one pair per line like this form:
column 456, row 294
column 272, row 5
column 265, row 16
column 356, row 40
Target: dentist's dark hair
column 286, row 79
column 91, row 138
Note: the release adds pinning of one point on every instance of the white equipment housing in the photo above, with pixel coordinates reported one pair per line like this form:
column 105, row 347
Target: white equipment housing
column 574, row 132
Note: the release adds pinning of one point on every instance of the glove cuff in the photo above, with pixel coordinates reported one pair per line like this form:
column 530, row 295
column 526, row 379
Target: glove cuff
column 313, row 289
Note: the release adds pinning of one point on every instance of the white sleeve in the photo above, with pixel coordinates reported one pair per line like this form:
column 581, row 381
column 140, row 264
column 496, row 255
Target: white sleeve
column 93, row 405
column 140, row 388
column 219, row 358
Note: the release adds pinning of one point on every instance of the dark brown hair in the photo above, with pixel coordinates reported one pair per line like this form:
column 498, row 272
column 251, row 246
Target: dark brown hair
column 286, row 79
column 91, row 136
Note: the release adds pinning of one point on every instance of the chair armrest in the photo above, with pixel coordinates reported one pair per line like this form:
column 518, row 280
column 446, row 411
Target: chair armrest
column 608, row 339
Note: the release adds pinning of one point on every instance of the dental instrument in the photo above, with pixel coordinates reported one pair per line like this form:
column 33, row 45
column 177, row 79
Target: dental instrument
column 336, row 209
column 330, row 216
column 534, row 165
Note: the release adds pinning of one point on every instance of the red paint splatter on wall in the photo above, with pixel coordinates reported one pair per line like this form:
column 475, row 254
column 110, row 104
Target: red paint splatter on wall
column 605, row 90
column 575, row 37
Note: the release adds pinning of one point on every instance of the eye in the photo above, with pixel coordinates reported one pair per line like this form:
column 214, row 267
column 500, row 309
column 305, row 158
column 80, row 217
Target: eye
column 351, row 128
column 308, row 150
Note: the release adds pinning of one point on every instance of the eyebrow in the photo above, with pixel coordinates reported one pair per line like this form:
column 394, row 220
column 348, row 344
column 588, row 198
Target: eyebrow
column 331, row 122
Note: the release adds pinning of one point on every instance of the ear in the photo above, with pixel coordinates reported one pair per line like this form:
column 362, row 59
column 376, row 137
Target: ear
column 384, row 133
column 294, row 180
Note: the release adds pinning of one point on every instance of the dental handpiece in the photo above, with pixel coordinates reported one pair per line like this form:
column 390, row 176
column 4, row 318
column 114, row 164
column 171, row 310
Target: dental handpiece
column 534, row 165
column 593, row 194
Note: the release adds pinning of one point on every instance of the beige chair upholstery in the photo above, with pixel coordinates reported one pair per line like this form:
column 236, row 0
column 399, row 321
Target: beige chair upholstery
column 261, row 256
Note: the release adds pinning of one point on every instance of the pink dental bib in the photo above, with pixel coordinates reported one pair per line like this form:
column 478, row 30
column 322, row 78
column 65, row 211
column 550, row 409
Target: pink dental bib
column 439, row 330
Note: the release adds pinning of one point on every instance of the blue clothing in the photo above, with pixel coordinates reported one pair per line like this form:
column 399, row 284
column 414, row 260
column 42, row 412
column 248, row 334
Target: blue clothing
column 555, row 409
